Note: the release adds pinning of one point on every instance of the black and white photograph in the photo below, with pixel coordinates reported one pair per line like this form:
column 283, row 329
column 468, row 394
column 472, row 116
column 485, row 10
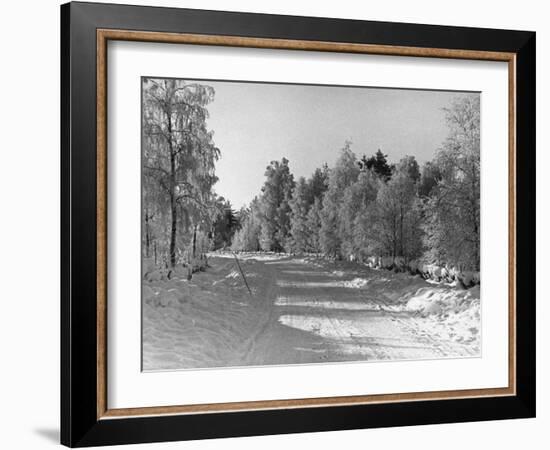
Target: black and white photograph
column 299, row 224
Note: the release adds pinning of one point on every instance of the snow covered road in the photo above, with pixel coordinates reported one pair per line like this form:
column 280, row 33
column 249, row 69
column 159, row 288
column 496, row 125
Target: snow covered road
column 304, row 310
column 341, row 322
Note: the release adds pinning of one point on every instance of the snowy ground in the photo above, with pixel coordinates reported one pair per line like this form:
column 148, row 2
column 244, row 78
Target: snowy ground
column 303, row 310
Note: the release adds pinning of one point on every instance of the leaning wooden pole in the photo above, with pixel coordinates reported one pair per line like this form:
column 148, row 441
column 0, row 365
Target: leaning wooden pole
column 242, row 273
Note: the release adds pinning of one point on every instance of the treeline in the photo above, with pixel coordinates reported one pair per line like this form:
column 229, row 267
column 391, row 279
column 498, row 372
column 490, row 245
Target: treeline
column 368, row 207
column 359, row 208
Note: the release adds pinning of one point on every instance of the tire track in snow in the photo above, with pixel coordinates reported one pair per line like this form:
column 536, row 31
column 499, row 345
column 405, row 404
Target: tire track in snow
column 249, row 351
column 338, row 328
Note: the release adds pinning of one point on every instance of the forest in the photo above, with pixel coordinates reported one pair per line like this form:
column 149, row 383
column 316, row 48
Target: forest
column 361, row 207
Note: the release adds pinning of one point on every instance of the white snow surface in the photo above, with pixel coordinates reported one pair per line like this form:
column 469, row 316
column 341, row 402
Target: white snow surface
column 302, row 310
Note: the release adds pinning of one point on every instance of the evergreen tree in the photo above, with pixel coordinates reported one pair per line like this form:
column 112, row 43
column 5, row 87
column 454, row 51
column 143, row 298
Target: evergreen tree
column 377, row 163
column 224, row 226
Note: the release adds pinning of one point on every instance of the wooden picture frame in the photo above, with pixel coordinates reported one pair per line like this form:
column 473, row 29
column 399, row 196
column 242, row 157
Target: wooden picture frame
column 86, row 418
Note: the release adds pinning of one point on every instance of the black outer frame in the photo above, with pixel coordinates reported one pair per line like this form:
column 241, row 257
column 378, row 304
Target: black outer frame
column 79, row 424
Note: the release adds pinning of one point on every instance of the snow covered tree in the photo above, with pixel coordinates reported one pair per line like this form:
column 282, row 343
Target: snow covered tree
column 275, row 206
column 358, row 199
column 344, row 174
column 305, row 227
column 398, row 214
column 314, row 225
column 407, row 177
column 430, row 177
column 247, row 237
column 299, row 206
column 409, row 165
column 453, row 210
column 154, row 218
column 317, row 184
column 179, row 153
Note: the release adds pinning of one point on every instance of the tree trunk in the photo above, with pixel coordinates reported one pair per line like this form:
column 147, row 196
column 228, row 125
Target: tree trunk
column 475, row 214
column 173, row 205
column 173, row 231
column 194, row 241
column 147, row 237
column 394, row 231
column 401, row 230
column 476, row 235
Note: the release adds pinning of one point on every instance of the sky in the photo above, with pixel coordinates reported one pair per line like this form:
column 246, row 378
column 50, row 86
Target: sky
column 255, row 123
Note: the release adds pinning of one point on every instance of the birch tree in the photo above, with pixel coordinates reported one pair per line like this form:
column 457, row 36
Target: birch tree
column 179, row 154
column 453, row 210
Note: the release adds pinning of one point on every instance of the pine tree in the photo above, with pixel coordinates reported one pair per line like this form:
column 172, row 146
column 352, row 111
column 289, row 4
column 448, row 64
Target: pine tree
column 377, row 163
column 224, row 225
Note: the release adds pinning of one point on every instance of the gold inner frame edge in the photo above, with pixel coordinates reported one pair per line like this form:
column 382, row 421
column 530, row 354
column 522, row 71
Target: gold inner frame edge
column 104, row 35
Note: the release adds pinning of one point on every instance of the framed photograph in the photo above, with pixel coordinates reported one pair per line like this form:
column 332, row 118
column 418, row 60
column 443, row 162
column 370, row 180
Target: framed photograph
column 277, row 224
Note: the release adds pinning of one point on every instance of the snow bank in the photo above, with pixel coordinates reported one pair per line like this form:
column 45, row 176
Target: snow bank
column 452, row 314
column 427, row 271
column 431, row 299
column 203, row 322
column 245, row 256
